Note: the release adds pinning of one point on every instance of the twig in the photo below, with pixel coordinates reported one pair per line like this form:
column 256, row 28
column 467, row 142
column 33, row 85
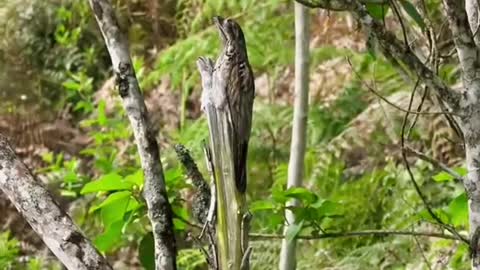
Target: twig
column 368, row 233
column 391, row 45
column 155, row 193
column 412, row 178
column 46, row 218
column 434, row 162
column 420, row 249
column 404, row 30
column 375, row 92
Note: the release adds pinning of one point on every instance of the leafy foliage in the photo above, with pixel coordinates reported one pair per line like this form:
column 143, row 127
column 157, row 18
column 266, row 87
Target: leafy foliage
column 60, row 46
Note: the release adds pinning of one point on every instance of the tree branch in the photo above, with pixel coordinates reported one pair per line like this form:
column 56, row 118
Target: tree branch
column 336, row 5
column 390, row 45
column 159, row 209
column 44, row 215
column 260, row 236
column 468, row 53
column 201, row 200
column 434, row 162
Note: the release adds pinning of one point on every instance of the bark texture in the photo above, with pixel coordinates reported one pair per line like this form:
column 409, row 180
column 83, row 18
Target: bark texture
column 299, row 129
column 159, row 209
column 44, row 215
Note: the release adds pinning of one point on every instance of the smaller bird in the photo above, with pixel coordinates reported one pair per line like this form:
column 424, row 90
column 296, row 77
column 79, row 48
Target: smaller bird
column 235, row 80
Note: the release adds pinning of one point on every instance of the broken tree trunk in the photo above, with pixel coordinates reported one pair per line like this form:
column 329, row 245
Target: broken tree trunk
column 46, row 218
column 227, row 101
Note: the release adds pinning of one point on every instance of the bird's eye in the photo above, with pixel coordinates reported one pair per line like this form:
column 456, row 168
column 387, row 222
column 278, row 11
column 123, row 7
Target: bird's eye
column 230, row 50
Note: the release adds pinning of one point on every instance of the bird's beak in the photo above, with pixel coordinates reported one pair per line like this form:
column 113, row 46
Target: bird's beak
column 219, row 23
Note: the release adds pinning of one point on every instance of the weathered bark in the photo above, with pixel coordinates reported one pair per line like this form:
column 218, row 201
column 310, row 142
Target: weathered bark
column 201, row 199
column 44, row 215
column 299, row 128
column 468, row 54
column 230, row 203
column 472, row 8
column 159, row 209
column 464, row 43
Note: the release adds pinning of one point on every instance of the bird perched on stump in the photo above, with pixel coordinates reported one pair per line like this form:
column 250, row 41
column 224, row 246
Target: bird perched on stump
column 234, row 75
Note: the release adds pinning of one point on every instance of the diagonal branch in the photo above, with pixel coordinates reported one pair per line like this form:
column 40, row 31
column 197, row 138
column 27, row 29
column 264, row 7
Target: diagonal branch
column 336, row 5
column 468, row 52
column 390, row 45
column 44, row 215
column 434, row 162
column 155, row 194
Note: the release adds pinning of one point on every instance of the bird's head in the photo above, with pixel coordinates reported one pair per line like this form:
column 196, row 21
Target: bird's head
column 231, row 34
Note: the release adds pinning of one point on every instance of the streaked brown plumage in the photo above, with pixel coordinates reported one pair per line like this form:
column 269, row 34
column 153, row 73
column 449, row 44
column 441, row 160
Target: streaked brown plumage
column 239, row 92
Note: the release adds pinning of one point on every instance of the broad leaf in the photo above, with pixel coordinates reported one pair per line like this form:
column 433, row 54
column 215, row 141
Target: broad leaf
column 413, row 13
column 146, row 253
column 327, row 208
column 458, row 210
column 112, row 198
column 443, row 177
column 135, row 178
column 301, row 194
column 377, row 11
column 115, row 210
column 262, row 205
column 109, row 182
column 293, row 230
column 110, row 238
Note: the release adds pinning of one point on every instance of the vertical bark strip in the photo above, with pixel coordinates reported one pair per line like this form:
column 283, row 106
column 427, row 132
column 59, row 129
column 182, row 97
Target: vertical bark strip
column 299, row 129
column 230, row 203
column 44, row 215
column 464, row 42
column 159, row 209
column 472, row 9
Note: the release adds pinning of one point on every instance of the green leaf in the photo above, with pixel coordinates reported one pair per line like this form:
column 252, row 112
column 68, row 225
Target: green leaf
column 327, row 208
column 461, row 170
column 293, row 230
column 173, row 175
column 109, row 182
column 115, row 210
column 182, row 214
column 146, row 252
column 443, row 177
column 262, row 205
column 71, row 85
column 302, row 194
column 121, row 195
column 110, row 238
column 135, row 178
column 70, row 177
column 101, row 117
column 413, row 12
column 377, row 11
column 458, row 210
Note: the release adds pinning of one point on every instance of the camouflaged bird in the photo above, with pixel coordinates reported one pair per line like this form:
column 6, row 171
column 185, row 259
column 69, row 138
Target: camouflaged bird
column 236, row 78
